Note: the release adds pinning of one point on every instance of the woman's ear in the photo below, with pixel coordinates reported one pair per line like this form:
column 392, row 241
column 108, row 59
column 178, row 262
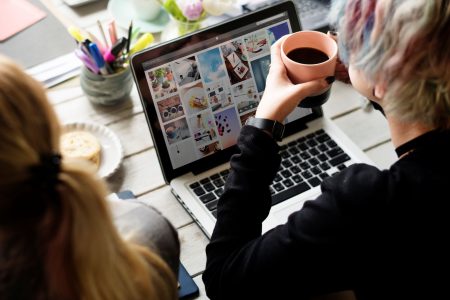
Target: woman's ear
column 379, row 91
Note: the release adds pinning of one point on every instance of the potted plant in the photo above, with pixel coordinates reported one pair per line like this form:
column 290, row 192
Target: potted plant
column 151, row 75
column 160, row 73
column 155, row 85
column 165, row 84
column 169, row 74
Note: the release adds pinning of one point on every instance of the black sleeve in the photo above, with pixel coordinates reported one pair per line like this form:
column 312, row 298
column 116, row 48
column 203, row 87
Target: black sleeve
column 303, row 257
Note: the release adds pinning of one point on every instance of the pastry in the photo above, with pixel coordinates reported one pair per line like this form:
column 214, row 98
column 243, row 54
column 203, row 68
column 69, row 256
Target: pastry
column 81, row 144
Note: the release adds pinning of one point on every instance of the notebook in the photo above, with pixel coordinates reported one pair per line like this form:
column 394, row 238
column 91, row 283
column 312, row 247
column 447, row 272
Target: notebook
column 198, row 91
column 313, row 14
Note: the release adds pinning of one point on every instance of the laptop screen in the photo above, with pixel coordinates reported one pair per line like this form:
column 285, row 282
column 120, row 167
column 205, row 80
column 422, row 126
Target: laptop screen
column 198, row 91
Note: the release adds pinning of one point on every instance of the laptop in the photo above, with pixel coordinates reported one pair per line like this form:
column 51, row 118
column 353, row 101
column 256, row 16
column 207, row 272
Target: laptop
column 197, row 92
column 313, row 14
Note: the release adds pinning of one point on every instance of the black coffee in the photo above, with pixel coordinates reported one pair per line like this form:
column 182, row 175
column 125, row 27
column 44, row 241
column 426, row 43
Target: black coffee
column 307, row 56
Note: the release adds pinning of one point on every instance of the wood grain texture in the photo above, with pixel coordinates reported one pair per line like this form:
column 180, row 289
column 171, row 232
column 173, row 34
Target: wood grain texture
column 343, row 99
column 81, row 109
column 140, row 173
column 383, row 155
column 134, row 133
column 366, row 129
column 201, row 287
column 193, row 244
column 163, row 200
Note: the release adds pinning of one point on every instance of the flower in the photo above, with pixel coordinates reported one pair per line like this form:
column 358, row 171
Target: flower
column 195, row 10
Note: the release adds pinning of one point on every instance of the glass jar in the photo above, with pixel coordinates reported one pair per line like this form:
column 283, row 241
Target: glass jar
column 176, row 28
column 106, row 89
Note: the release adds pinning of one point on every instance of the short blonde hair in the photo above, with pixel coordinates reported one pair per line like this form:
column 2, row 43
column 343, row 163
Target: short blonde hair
column 405, row 44
column 59, row 241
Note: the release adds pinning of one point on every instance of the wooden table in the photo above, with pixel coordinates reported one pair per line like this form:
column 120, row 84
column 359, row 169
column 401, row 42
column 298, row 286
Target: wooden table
column 140, row 171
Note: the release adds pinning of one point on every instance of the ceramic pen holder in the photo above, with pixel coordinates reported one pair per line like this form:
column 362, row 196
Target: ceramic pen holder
column 109, row 89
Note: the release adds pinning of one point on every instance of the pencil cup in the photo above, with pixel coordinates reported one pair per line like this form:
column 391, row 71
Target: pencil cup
column 106, row 89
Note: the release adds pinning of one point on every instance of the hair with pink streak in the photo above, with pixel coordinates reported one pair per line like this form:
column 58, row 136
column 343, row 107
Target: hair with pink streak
column 404, row 44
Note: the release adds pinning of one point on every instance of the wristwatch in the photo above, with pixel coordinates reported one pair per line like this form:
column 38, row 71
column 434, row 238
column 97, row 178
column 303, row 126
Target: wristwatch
column 273, row 127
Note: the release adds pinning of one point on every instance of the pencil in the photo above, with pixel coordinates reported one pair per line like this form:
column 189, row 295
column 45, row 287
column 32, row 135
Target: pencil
column 102, row 32
column 94, row 39
column 130, row 30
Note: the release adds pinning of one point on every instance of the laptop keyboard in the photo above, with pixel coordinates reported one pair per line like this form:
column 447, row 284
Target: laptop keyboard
column 305, row 162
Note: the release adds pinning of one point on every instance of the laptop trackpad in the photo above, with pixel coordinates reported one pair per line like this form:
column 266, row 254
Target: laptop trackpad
column 280, row 213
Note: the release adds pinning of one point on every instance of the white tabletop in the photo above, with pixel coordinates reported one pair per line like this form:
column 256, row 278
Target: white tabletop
column 140, row 171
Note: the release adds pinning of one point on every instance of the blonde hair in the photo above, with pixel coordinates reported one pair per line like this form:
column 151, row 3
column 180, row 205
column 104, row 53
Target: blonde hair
column 405, row 44
column 58, row 241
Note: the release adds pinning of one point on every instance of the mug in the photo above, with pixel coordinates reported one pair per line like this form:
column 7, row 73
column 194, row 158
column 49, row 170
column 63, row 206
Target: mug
column 310, row 55
column 109, row 89
column 146, row 10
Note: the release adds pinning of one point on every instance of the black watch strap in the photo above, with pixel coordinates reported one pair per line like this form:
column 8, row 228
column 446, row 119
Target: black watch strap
column 274, row 127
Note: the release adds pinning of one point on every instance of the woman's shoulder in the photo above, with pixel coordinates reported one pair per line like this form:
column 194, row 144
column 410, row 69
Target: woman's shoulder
column 137, row 220
column 141, row 223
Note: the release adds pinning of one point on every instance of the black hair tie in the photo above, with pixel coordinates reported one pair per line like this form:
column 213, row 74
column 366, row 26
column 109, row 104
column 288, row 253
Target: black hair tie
column 46, row 172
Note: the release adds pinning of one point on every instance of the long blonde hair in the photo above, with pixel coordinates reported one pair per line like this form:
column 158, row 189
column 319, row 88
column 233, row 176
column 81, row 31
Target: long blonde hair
column 58, row 241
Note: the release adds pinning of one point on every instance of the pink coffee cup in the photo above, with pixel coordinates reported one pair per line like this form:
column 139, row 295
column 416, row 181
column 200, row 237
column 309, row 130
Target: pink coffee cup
column 303, row 62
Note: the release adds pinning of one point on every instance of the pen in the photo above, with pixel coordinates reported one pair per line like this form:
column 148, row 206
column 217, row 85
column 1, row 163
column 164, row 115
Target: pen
column 130, row 29
column 75, row 33
column 142, row 43
column 114, row 51
column 86, row 60
column 100, row 46
column 102, row 32
column 98, row 58
column 112, row 32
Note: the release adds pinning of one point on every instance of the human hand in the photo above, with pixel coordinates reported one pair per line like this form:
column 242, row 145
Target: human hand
column 341, row 72
column 281, row 96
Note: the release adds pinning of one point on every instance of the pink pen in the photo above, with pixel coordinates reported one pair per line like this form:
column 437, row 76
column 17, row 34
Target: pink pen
column 112, row 32
column 115, row 50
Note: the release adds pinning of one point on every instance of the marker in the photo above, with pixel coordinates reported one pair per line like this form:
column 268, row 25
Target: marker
column 142, row 43
column 98, row 58
column 75, row 33
column 86, row 60
column 112, row 53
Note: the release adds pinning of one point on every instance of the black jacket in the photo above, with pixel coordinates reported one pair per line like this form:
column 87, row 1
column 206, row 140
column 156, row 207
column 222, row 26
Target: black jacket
column 380, row 233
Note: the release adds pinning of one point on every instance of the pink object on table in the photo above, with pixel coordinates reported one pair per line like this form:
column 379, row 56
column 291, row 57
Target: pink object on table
column 16, row 15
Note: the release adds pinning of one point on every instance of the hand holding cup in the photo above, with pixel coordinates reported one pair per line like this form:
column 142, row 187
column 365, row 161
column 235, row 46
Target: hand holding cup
column 307, row 56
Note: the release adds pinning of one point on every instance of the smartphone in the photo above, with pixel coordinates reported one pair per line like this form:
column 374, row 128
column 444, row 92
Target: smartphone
column 187, row 288
column 75, row 3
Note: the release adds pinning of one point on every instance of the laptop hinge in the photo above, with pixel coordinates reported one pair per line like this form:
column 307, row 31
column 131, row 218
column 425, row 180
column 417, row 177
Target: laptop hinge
column 201, row 169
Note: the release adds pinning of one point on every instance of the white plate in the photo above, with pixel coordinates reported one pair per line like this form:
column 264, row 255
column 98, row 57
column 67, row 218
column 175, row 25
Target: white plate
column 111, row 148
column 123, row 13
